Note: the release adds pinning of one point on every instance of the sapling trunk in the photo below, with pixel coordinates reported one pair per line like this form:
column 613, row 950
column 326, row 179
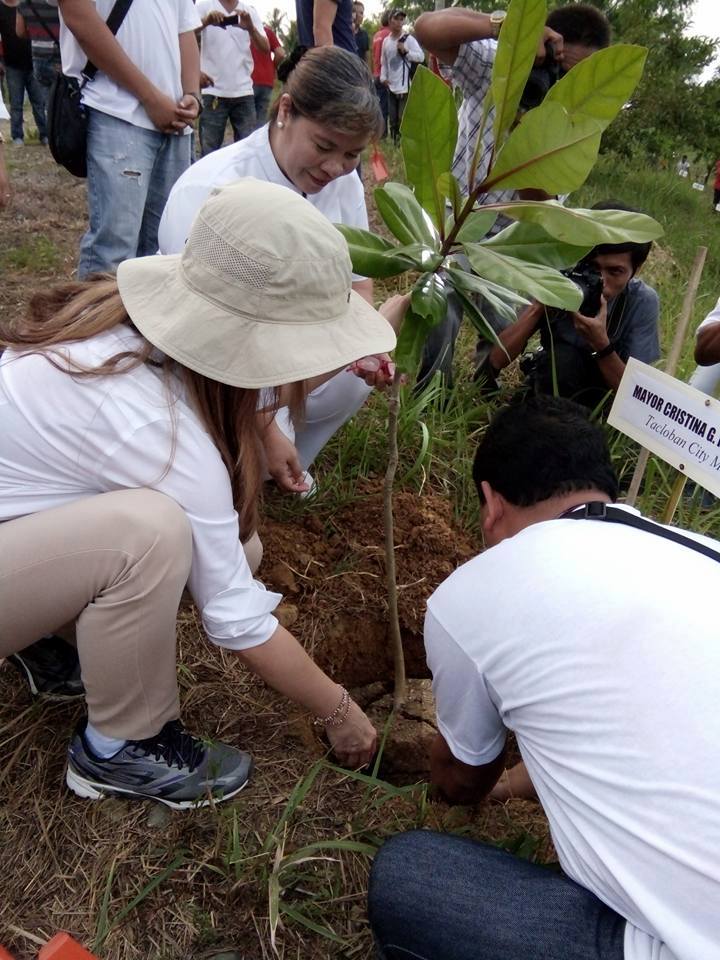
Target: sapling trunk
column 398, row 653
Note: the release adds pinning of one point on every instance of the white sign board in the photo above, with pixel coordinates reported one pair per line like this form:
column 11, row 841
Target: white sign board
column 678, row 423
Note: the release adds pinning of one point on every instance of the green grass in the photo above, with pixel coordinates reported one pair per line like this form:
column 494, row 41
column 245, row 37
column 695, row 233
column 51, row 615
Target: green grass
column 39, row 255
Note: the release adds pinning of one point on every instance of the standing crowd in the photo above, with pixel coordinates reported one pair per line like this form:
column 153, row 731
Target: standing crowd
column 214, row 340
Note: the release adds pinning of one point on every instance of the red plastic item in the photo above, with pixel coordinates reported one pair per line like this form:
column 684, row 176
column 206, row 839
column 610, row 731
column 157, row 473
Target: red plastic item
column 63, row 947
column 4, row 955
column 378, row 165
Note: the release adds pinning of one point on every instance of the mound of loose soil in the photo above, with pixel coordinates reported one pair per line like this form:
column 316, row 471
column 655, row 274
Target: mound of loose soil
column 332, row 573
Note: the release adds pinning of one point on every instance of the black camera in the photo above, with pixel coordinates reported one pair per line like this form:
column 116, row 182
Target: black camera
column 587, row 276
column 231, row 21
column 541, row 79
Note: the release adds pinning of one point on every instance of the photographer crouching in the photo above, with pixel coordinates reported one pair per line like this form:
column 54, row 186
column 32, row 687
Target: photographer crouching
column 583, row 355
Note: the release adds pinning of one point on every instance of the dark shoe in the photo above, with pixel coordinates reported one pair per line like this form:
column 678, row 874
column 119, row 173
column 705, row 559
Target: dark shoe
column 174, row 767
column 51, row 667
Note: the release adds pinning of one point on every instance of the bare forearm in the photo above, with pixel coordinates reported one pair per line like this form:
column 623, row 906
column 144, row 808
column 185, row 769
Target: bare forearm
column 324, row 13
column 611, row 369
column 515, row 337
column 442, row 32
column 283, row 664
column 459, row 782
column 707, row 345
column 189, row 63
column 101, row 47
column 259, row 39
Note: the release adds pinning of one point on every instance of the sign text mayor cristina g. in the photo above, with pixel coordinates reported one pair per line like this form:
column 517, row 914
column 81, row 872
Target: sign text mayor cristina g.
column 678, row 423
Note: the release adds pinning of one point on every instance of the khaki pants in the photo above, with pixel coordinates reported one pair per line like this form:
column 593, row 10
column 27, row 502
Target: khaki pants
column 115, row 564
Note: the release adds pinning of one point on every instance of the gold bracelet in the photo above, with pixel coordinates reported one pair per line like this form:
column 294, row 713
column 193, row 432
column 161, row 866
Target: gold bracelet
column 339, row 714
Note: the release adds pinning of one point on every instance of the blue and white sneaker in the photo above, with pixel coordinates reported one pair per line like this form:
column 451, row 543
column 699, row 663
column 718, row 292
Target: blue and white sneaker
column 174, row 767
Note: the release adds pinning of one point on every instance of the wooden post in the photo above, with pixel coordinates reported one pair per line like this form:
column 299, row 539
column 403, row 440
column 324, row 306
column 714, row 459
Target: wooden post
column 671, row 367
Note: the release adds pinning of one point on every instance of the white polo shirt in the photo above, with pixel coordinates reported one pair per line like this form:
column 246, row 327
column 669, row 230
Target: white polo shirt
column 225, row 53
column 149, row 36
column 341, row 201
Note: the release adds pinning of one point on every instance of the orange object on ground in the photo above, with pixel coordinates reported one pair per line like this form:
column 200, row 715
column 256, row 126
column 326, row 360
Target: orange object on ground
column 4, row 955
column 379, row 167
column 63, row 947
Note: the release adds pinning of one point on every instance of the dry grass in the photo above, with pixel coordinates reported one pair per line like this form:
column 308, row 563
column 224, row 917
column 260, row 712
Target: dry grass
column 140, row 883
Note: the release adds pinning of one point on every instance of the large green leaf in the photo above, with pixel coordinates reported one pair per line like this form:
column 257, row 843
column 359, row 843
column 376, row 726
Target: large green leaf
column 468, row 284
column 429, row 131
column 517, row 47
column 475, row 315
column 546, row 285
column 600, row 85
column 583, row 227
column 476, row 226
column 411, row 340
column 449, row 187
column 403, row 215
column 373, row 256
column 548, row 150
column 529, row 242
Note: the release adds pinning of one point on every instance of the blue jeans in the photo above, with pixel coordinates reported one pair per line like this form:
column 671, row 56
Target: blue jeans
column 263, row 96
column 131, row 171
column 435, row 896
column 240, row 111
column 19, row 81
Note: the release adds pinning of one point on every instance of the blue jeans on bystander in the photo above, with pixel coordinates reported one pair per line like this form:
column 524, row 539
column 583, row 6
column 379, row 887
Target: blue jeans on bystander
column 19, row 81
column 435, row 896
column 263, row 96
column 240, row 111
column 131, row 171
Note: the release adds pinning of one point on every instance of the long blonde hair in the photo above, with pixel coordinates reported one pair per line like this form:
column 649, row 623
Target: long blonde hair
column 80, row 309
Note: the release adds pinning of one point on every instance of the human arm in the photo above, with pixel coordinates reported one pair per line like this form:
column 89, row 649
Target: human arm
column 281, row 458
column 324, row 13
column 101, row 47
column 189, row 103
column 385, row 62
column 413, row 50
column 250, row 21
column 283, row 664
column 443, row 32
column 515, row 337
column 20, row 27
column 461, row 782
column 595, row 333
column 707, row 344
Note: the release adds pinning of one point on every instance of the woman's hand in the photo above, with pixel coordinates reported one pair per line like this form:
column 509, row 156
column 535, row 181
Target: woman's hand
column 282, row 461
column 377, row 371
column 394, row 310
column 354, row 741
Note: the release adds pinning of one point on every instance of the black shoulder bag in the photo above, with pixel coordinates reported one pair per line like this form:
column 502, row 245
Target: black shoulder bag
column 66, row 115
column 597, row 510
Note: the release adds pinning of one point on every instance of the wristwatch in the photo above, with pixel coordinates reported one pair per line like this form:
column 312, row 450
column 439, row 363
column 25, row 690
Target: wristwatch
column 496, row 21
column 605, row 352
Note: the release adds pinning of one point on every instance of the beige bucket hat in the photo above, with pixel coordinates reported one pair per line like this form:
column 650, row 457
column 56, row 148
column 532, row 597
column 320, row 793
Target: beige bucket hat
column 260, row 296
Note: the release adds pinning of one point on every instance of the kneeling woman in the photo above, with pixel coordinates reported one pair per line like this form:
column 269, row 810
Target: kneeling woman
column 323, row 118
column 131, row 444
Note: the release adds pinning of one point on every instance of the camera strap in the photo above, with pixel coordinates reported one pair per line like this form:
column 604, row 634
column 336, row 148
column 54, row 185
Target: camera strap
column 598, row 510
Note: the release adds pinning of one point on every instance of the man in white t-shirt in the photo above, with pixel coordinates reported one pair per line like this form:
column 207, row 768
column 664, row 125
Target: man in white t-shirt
column 229, row 29
column 400, row 50
column 141, row 106
column 595, row 641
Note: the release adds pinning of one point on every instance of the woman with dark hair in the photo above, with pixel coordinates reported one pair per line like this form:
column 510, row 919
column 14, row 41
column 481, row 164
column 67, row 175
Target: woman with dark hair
column 131, row 464
column 325, row 115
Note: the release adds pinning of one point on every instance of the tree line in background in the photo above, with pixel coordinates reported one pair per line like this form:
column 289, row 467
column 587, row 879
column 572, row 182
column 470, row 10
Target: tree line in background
column 671, row 112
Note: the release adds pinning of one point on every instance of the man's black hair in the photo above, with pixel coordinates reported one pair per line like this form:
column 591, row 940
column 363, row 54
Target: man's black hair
column 540, row 447
column 639, row 252
column 581, row 23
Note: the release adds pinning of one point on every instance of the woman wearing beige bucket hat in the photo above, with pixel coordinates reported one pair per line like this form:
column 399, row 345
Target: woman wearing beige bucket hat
column 130, row 465
column 324, row 117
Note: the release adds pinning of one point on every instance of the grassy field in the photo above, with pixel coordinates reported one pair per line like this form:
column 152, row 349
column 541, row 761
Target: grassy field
column 282, row 871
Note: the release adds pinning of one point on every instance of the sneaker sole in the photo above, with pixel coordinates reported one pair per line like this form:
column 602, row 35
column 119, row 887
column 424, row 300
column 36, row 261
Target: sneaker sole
column 92, row 790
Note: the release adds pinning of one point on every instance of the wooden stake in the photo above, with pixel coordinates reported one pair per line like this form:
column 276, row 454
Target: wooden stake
column 670, row 367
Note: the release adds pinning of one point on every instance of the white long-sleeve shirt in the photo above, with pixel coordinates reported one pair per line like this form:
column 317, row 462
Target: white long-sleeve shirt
column 64, row 438
column 396, row 69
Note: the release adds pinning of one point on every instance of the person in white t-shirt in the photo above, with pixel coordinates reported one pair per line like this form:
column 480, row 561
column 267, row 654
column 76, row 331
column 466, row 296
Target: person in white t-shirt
column 141, row 107
column 131, row 463
column 399, row 51
column 229, row 30
column 319, row 125
column 592, row 635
